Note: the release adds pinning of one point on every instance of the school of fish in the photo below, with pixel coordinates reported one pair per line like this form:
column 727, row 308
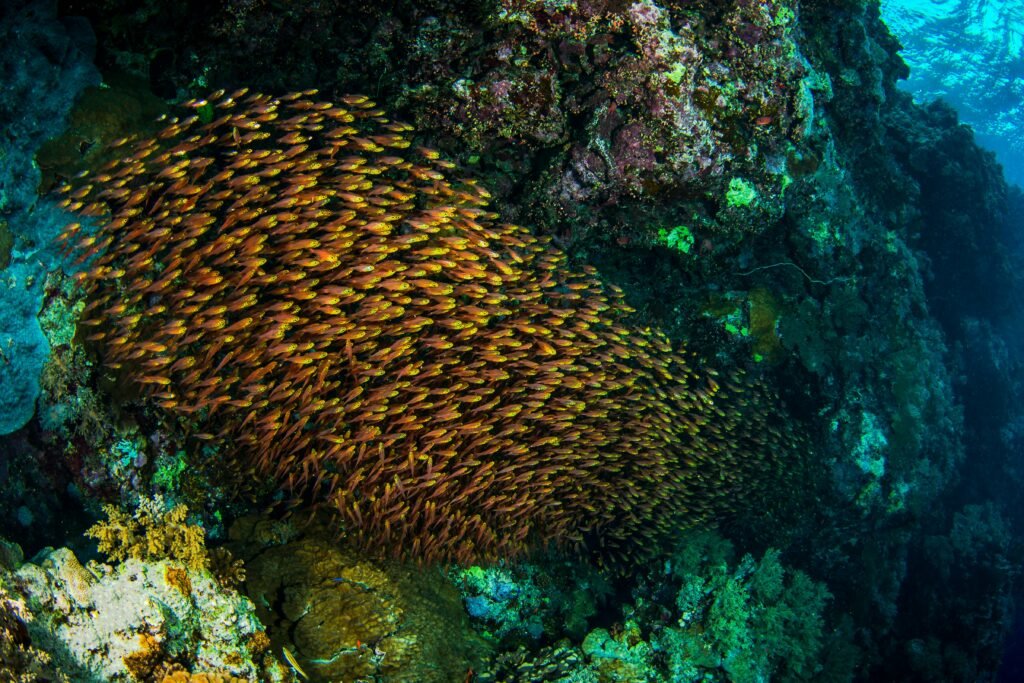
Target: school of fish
column 297, row 282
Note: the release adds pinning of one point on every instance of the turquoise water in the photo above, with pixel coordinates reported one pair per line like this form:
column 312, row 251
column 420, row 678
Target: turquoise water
column 970, row 53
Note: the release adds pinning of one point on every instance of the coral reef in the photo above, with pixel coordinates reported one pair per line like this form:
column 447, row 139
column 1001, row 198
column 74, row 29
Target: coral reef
column 703, row 617
column 522, row 603
column 506, row 604
column 347, row 618
column 751, row 620
column 138, row 621
column 673, row 110
column 45, row 63
column 584, row 116
column 747, row 172
column 902, row 416
column 357, row 326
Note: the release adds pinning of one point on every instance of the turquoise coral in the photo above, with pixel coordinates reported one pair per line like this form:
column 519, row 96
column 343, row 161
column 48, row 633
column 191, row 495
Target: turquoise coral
column 31, row 113
column 754, row 620
column 706, row 616
column 507, row 603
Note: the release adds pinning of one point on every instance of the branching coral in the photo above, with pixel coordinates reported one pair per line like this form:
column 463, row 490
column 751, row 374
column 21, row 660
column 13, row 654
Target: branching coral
column 152, row 533
column 354, row 324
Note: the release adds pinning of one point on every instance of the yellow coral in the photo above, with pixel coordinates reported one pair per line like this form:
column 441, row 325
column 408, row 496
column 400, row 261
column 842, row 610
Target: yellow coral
column 152, row 533
column 185, row 677
column 144, row 661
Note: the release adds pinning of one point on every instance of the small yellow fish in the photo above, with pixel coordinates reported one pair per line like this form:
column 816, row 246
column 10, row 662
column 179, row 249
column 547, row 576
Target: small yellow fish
column 294, row 664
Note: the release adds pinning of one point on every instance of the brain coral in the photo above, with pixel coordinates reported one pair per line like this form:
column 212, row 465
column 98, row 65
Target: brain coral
column 290, row 278
column 346, row 618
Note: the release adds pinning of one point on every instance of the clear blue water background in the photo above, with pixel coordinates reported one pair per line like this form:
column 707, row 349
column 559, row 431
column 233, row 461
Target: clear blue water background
column 970, row 53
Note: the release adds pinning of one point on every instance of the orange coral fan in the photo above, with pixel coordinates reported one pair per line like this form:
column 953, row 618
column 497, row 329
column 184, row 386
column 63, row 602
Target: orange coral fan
column 286, row 274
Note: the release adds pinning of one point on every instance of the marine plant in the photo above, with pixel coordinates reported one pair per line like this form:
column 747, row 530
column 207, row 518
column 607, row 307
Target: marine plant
column 297, row 282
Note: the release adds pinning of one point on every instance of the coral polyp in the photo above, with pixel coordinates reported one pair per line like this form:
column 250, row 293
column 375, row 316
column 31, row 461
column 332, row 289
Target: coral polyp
column 292, row 279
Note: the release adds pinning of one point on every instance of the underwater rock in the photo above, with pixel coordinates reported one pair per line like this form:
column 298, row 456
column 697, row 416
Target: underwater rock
column 20, row 661
column 102, row 624
column 585, row 116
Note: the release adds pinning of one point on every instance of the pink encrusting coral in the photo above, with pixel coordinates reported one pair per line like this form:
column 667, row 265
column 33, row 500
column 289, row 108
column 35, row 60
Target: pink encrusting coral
column 674, row 99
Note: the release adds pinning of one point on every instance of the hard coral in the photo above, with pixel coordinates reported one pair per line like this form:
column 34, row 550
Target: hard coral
column 346, row 618
column 134, row 622
column 185, row 677
column 20, row 661
column 280, row 275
